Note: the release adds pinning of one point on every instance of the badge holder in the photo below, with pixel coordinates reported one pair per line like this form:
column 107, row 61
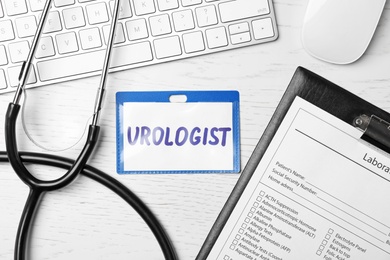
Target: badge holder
column 178, row 132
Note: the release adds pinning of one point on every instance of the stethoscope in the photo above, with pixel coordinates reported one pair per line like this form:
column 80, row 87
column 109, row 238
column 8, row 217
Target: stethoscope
column 74, row 168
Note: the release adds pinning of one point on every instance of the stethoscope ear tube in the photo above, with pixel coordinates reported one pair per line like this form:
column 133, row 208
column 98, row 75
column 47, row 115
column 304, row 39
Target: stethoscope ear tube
column 11, row 146
column 38, row 187
column 21, row 170
column 18, row 166
column 94, row 174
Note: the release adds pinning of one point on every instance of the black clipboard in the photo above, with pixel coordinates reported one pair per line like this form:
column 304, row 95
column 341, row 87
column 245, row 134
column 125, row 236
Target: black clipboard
column 325, row 95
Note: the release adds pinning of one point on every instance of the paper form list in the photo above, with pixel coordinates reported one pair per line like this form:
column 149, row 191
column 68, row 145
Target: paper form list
column 319, row 192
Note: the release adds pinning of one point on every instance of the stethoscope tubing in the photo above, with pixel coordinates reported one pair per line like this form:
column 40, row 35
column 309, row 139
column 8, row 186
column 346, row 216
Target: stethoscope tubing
column 96, row 175
column 23, row 172
column 74, row 168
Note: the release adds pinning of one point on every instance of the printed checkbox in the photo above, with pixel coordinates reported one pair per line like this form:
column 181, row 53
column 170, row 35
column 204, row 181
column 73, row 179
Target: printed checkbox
column 252, row 209
column 327, row 236
column 244, row 225
column 232, row 247
column 241, row 230
column 226, row 257
column 247, row 220
column 324, row 242
column 330, row 231
column 262, row 193
column 256, row 204
column 250, row 214
column 238, row 236
column 259, row 198
column 321, row 248
column 235, row 242
column 319, row 252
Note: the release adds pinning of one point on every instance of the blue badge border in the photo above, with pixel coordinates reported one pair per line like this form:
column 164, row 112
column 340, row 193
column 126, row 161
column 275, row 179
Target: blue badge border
column 192, row 96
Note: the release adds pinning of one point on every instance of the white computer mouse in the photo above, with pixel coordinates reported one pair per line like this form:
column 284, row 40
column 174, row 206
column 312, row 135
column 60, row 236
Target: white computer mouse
column 339, row 31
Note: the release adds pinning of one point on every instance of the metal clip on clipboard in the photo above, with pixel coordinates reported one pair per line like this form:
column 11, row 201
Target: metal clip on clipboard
column 375, row 128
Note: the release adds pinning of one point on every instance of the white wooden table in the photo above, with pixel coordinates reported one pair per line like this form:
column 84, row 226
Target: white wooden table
column 87, row 221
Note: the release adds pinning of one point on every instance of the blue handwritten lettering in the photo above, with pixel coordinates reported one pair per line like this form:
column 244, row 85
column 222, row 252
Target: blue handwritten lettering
column 185, row 137
column 206, row 130
column 144, row 135
column 224, row 131
column 212, row 135
column 131, row 140
column 159, row 140
column 194, row 140
column 167, row 142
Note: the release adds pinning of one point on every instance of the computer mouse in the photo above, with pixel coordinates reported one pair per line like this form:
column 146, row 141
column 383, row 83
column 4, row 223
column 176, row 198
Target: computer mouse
column 339, row 31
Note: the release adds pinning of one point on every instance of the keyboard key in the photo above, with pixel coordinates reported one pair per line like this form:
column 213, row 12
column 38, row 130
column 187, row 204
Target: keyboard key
column 193, row 42
column 240, row 38
column 136, row 29
column 26, row 26
column 73, row 17
column 90, row 38
column 238, row 28
column 160, row 25
column 93, row 61
column 124, row 9
column 3, row 82
column 6, row 31
column 45, row 48
column 143, row 7
column 206, row 16
column 53, row 23
column 165, row 5
column 97, row 13
column 240, row 9
column 263, row 28
column 119, row 34
column 167, row 47
column 36, row 5
column 19, row 51
column 3, row 56
column 183, row 20
column 13, row 76
column 216, row 37
column 131, row 54
column 190, row 2
column 14, row 7
column 67, row 43
column 62, row 3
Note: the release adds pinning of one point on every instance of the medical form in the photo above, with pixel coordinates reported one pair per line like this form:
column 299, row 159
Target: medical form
column 319, row 192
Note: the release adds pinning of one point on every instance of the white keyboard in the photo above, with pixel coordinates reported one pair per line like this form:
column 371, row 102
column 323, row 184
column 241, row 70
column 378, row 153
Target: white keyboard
column 148, row 32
